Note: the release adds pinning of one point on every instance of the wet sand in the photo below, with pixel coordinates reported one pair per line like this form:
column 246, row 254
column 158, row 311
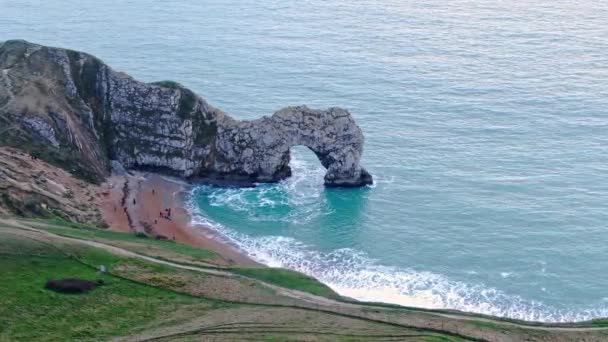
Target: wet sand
column 136, row 203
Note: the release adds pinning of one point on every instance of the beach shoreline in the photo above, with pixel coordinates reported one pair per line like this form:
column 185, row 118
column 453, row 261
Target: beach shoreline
column 155, row 204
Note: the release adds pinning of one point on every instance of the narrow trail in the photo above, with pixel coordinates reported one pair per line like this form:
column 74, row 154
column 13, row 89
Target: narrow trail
column 123, row 203
column 341, row 308
column 129, row 203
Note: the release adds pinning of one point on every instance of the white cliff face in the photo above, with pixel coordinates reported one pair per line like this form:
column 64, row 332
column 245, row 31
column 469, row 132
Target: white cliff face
column 99, row 114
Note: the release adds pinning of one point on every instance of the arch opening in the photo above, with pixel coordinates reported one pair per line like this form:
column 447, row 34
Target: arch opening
column 305, row 165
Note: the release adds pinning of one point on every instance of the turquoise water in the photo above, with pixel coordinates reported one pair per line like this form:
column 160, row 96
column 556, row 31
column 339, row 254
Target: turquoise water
column 486, row 127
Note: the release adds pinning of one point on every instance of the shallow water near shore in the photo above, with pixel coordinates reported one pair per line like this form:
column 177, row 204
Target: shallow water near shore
column 486, row 132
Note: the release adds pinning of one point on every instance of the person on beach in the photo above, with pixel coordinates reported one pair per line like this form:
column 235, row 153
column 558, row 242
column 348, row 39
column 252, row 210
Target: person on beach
column 134, row 201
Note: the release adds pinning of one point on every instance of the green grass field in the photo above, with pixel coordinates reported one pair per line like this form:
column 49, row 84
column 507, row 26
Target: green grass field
column 126, row 307
column 288, row 279
column 277, row 276
column 81, row 231
column 28, row 312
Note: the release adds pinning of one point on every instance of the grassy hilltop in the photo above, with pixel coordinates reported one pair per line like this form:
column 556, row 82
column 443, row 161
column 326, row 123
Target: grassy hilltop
column 163, row 290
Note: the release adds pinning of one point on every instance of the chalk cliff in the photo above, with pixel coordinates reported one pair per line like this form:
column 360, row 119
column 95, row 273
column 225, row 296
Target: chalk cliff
column 71, row 109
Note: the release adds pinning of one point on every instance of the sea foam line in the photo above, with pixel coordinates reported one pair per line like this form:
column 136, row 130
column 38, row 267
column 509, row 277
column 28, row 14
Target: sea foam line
column 352, row 274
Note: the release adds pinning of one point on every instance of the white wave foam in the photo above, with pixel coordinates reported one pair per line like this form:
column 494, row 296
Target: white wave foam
column 300, row 196
column 353, row 274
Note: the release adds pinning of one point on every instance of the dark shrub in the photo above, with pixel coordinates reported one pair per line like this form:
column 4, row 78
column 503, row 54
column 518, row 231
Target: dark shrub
column 70, row 285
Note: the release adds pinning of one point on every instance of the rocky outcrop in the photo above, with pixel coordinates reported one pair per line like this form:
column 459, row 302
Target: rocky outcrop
column 71, row 109
column 34, row 188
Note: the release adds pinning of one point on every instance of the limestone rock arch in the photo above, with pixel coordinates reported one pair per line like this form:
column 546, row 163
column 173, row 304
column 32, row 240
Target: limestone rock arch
column 260, row 149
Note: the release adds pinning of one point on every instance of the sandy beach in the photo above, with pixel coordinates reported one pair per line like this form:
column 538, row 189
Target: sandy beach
column 139, row 202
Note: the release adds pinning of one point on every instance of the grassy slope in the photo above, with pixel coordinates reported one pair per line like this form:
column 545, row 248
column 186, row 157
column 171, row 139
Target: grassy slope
column 91, row 233
column 278, row 276
column 30, row 312
column 289, row 279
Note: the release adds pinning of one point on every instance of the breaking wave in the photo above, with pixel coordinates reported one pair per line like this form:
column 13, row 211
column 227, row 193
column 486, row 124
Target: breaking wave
column 353, row 274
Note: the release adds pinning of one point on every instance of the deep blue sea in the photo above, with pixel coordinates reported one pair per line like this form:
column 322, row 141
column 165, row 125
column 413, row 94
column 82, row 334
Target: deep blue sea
column 486, row 126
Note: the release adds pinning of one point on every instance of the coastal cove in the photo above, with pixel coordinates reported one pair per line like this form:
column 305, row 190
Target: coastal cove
column 147, row 196
column 485, row 133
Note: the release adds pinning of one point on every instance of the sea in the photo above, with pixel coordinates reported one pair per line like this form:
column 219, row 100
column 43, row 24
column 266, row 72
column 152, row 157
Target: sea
column 485, row 123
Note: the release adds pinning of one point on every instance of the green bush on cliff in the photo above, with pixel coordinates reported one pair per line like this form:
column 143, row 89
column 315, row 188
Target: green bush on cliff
column 167, row 84
column 187, row 101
